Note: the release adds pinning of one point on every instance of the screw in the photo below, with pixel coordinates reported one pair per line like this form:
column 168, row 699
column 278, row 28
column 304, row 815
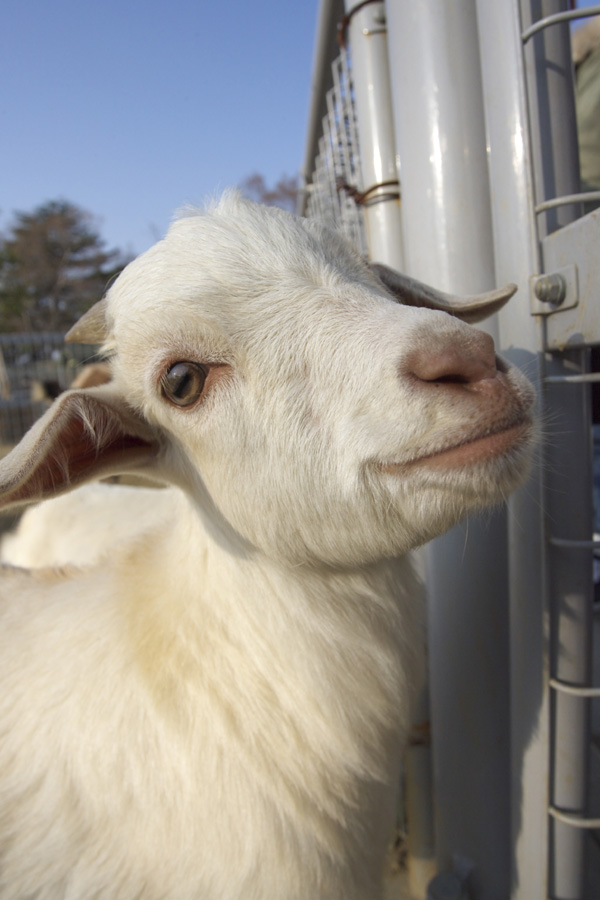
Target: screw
column 551, row 289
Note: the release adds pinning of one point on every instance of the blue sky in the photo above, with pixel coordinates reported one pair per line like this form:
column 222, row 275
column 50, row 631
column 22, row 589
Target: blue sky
column 133, row 109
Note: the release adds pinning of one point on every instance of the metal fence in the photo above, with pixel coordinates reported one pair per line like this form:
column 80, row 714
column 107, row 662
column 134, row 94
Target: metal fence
column 471, row 104
column 34, row 369
column 334, row 196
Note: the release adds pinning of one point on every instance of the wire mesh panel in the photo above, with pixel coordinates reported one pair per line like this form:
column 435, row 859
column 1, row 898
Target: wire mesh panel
column 336, row 175
column 569, row 256
column 34, row 368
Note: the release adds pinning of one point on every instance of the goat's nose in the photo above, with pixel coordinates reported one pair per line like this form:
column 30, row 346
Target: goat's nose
column 446, row 359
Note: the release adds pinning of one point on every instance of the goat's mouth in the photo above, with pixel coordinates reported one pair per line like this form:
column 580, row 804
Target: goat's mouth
column 473, row 450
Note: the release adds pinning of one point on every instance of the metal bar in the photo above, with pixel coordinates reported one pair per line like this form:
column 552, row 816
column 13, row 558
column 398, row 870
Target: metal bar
column 573, row 821
column 574, row 545
column 587, row 378
column 566, row 16
column 581, row 197
column 372, row 101
column 447, row 229
column 372, row 91
column 575, row 690
column 516, row 254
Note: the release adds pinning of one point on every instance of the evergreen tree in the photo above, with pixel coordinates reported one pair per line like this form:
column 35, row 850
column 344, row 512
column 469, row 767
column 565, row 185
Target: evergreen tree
column 53, row 266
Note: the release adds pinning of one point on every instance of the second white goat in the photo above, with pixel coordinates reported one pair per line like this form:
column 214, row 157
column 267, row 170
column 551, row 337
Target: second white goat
column 84, row 526
column 218, row 711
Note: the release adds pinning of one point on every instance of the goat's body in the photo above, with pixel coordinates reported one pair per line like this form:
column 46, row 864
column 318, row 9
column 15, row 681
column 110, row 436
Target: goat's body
column 277, row 690
column 217, row 712
column 84, row 526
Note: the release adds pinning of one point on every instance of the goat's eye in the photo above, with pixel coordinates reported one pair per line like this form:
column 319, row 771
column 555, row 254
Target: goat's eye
column 183, row 383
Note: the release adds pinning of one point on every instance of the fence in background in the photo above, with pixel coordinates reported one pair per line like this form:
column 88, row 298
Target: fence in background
column 34, row 369
column 470, row 106
column 333, row 193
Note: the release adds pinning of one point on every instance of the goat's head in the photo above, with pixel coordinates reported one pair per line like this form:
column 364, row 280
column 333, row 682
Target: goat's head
column 263, row 367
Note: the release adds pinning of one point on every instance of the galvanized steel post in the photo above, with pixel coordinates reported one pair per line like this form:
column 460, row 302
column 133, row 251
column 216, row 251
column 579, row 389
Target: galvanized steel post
column 516, row 253
column 447, row 226
column 366, row 24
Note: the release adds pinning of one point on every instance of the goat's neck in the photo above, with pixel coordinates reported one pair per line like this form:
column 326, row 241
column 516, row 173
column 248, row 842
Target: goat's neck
column 335, row 647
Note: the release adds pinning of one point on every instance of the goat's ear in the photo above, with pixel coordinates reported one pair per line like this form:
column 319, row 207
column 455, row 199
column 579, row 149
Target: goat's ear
column 85, row 435
column 411, row 292
column 92, row 327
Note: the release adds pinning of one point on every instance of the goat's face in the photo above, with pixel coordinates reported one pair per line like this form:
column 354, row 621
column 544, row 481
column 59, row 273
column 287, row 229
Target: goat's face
column 324, row 419
column 290, row 393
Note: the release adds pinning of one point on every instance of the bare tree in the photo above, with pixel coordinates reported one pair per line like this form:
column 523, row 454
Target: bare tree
column 284, row 194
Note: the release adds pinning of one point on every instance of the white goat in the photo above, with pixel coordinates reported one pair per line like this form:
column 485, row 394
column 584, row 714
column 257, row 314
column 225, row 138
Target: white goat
column 218, row 711
column 82, row 527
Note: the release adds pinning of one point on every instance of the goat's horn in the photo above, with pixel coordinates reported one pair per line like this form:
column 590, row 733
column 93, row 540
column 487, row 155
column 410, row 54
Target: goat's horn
column 91, row 328
column 411, row 292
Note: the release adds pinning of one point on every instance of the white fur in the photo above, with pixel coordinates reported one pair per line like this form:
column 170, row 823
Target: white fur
column 84, row 526
column 218, row 711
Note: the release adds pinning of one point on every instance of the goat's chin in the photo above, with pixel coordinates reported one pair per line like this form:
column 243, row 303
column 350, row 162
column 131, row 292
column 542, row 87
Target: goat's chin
column 474, row 483
column 471, row 454
column 434, row 493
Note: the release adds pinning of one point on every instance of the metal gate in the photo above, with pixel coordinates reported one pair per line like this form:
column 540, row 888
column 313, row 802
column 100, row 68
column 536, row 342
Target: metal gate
column 448, row 144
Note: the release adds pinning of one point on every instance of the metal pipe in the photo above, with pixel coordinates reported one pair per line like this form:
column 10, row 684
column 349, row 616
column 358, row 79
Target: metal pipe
column 368, row 41
column 575, row 545
column 580, row 197
column 418, row 798
column 566, row 16
column 438, row 115
column 517, row 257
column 574, row 821
column 587, row 378
column 573, row 689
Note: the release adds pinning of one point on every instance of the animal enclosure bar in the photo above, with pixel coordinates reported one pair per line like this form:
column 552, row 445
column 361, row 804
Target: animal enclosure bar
column 484, row 118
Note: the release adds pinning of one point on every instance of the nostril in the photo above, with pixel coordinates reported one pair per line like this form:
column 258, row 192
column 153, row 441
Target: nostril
column 458, row 361
column 451, row 379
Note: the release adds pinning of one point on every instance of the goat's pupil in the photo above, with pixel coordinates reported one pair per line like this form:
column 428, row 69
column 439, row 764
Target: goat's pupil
column 184, row 382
